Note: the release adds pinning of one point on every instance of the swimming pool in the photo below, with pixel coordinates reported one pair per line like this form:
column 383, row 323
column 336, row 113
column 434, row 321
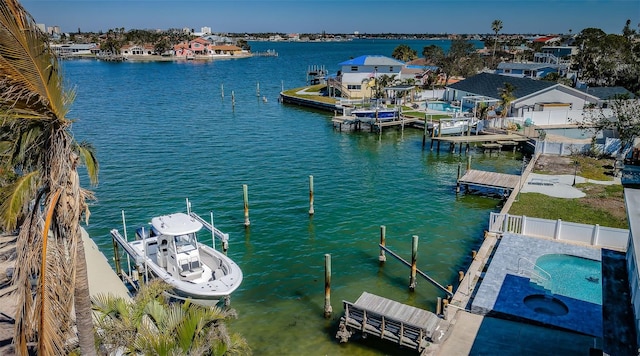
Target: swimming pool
column 574, row 277
column 442, row 106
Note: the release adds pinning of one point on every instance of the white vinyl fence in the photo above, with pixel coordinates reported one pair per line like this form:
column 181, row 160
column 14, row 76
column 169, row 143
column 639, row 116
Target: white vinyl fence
column 594, row 235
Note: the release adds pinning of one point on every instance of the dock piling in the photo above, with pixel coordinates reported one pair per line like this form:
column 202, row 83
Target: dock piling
column 327, row 286
column 258, row 89
column 383, row 241
column 414, row 255
column 233, row 100
column 311, row 211
column 222, row 91
column 439, row 306
column 246, row 205
column 116, row 257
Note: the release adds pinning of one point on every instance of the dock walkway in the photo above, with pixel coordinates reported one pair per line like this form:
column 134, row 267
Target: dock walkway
column 490, row 179
column 387, row 319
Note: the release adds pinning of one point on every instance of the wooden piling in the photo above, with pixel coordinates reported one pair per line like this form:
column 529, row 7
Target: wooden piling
column 445, row 304
column 327, row 286
column 233, row 99
column 458, row 179
column 424, row 134
column 469, row 163
column 460, row 276
column 246, row 205
column 414, row 255
column 383, row 238
column 450, row 288
column 116, row 257
column 439, row 306
column 311, row 211
column 474, row 253
column 222, row 91
column 258, row 89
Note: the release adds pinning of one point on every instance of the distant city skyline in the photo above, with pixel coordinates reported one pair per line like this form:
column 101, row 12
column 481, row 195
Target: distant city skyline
column 347, row 16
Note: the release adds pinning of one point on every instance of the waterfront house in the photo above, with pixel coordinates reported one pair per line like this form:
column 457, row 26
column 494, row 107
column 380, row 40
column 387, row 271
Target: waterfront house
column 224, row 50
column 529, row 69
column 137, row 50
column 530, row 95
column 356, row 77
column 183, row 50
column 75, row 49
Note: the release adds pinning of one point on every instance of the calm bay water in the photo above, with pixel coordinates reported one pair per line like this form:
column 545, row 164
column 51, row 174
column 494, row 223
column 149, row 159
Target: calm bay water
column 164, row 133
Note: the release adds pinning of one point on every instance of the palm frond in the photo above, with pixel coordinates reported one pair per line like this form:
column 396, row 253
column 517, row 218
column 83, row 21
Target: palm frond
column 86, row 151
column 32, row 86
column 15, row 198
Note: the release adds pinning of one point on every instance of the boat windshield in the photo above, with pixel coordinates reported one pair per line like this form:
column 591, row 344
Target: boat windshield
column 184, row 243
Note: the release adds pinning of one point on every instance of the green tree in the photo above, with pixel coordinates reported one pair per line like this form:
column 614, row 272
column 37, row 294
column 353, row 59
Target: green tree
column 496, row 26
column 506, row 98
column 40, row 158
column 150, row 325
column 404, row 53
column 461, row 59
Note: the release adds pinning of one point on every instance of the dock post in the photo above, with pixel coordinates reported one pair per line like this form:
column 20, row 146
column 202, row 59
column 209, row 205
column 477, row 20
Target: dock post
column 450, row 288
column 327, row 286
column 440, row 128
column 474, row 253
column 233, row 100
column 116, row 257
column 439, row 306
column 458, row 179
column 414, row 255
column 246, row 205
column 469, row 163
column 460, row 276
column 424, row 134
column 258, row 89
column 311, row 211
column 222, row 91
column 383, row 241
column 445, row 304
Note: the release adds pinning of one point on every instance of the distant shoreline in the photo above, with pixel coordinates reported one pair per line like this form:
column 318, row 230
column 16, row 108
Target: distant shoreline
column 156, row 58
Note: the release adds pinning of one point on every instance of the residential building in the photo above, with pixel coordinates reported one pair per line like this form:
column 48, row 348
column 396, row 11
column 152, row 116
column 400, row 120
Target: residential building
column 357, row 76
column 529, row 69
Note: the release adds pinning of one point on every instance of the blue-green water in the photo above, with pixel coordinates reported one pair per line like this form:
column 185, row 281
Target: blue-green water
column 164, row 133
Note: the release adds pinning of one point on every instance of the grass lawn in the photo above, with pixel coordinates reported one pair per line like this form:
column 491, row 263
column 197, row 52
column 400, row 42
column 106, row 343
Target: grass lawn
column 603, row 205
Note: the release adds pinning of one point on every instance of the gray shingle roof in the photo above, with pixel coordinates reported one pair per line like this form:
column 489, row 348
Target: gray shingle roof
column 487, row 84
column 606, row 93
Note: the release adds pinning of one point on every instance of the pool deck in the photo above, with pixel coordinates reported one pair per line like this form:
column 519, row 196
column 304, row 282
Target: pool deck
column 506, row 284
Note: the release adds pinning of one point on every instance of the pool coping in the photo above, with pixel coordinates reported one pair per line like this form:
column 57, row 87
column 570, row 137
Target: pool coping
column 503, row 287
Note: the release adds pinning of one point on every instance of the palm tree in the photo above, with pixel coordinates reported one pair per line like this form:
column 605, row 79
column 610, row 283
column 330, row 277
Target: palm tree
column 44, row 197
column 150, row 325
column 496, row 26
column 506, row 95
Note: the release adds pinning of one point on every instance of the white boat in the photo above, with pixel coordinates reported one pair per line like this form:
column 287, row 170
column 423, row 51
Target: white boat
column 169, row 249
column 453, row 127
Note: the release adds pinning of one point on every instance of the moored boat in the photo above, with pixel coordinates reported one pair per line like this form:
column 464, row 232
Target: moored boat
column 382, row 114
column 169, row 249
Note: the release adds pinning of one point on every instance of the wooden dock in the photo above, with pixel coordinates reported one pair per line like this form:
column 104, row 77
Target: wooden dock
column 490, row 179
column 354, row 123
column 495, row 141
column 403, row 324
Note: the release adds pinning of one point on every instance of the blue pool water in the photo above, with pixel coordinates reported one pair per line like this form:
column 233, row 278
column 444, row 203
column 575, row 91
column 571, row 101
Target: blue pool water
column 574, row 277
column 442, row 106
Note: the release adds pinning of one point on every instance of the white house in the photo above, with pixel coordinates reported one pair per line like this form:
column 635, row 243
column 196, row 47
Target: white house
column 357, row 76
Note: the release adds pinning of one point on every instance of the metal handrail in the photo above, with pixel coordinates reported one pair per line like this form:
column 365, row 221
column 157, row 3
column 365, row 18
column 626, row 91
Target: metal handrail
column 534, row 266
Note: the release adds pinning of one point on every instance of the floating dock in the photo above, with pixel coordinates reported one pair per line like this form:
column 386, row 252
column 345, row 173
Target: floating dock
column 402, row 324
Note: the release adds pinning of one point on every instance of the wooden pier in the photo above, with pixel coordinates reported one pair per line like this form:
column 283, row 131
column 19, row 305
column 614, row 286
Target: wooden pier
column 356, row 124
column 490, row 180
column 489, row 142
column 402, row 324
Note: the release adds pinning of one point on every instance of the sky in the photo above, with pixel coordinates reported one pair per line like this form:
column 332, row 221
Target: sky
column 345, row 16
